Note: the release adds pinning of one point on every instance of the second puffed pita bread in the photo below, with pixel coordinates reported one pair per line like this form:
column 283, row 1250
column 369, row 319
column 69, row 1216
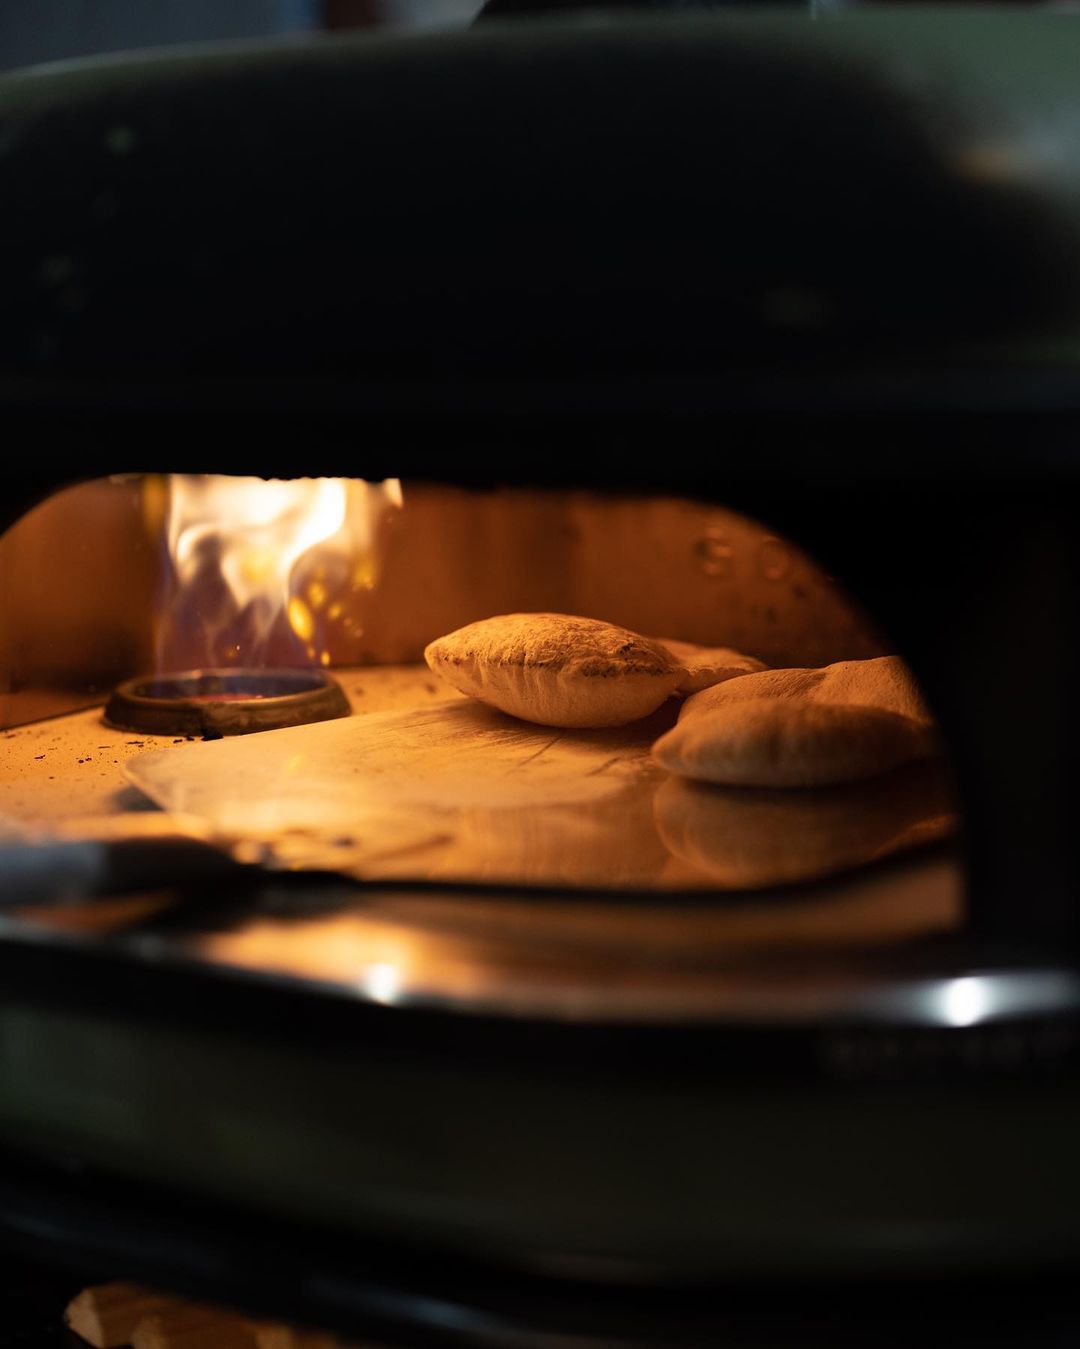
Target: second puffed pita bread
column 884, row 682
column 801, row 728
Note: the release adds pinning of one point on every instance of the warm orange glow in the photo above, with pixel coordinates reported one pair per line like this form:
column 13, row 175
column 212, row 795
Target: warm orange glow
column 300, row 619
column 257, row 565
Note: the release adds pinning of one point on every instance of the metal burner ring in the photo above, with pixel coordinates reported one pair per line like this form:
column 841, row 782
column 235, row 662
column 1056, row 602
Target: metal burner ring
column 224, row 702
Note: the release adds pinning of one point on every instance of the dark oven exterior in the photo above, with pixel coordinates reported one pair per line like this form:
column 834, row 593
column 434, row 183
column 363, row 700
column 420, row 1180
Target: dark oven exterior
column 843, row 306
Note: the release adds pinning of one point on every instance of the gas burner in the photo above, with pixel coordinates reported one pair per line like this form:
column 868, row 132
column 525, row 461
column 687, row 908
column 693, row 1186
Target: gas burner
column 224, row 702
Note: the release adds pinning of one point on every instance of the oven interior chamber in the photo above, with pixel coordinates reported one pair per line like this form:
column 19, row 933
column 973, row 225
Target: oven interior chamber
column 420, row 783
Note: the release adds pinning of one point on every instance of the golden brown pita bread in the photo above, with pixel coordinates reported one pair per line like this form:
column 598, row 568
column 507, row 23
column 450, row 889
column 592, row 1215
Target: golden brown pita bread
column 557, row 670
column 884, row 682
column 707, row 665
column 801, row 728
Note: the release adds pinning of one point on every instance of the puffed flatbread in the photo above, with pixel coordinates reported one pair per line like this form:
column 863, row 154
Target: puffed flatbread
column 801, row 728
column 884, row 682
column 558, row 670
column 708, row 665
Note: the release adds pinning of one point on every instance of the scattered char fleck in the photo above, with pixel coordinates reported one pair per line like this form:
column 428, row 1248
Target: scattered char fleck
column 134, row 742
column 180, row 740
column 39, row 756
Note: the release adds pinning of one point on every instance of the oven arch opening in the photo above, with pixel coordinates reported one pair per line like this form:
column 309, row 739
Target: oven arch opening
column 854, row 854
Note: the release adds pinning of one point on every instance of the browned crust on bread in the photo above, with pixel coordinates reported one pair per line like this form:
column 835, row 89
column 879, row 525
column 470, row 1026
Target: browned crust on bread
column 557, row 669
column 556, row 642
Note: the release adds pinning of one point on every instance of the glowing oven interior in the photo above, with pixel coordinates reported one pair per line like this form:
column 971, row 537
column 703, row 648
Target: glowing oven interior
column 157, row 579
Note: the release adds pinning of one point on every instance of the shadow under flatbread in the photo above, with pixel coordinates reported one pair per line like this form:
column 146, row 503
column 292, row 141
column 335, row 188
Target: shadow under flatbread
column 752, row 838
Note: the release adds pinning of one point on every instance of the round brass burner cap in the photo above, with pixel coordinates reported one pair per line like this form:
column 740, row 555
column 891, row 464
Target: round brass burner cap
column 224, row 702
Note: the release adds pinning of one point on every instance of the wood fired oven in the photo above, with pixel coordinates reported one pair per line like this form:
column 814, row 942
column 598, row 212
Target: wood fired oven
column 420, row 1023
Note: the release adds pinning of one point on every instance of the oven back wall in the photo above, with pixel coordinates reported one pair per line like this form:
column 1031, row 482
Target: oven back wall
column 78, row 579
column 661, row 566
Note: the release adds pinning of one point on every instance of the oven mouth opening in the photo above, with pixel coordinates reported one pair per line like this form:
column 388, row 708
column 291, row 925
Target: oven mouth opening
column 219, row 702
column 610, row 737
